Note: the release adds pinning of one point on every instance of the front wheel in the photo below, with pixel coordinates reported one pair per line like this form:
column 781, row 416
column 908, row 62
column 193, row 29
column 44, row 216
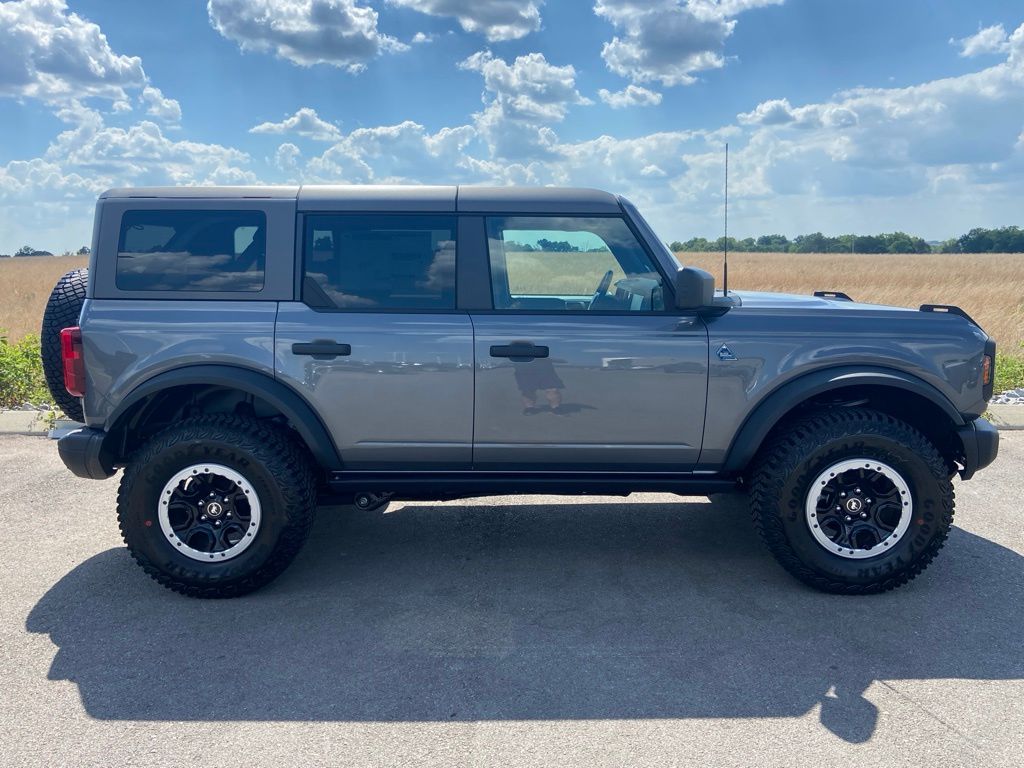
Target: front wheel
column 852, row 501
column 217, row 506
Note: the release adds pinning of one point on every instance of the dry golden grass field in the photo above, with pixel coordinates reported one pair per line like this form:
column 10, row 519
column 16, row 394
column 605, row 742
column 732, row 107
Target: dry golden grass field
column 25, row 285
column 989, row 286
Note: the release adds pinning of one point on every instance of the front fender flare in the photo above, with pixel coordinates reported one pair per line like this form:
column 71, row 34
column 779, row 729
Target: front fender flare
column 770, row 410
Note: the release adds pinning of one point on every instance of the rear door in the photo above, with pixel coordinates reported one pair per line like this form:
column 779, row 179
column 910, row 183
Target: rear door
column 376, row 344
column 580, row 365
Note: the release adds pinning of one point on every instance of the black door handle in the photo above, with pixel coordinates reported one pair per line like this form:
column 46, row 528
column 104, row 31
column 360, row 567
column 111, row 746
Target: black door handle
column 321, row 349
column 519, row 351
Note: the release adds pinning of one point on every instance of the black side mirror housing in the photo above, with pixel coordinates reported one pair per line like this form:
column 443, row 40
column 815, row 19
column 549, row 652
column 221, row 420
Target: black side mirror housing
column 695, row 289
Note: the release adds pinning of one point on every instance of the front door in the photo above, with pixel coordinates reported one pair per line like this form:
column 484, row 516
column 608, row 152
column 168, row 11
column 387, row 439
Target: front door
column 580, row 366
column 377, row 346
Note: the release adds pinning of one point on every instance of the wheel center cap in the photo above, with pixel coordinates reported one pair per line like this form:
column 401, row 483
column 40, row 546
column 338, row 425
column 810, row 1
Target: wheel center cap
column 214, row 509
column 854, row 505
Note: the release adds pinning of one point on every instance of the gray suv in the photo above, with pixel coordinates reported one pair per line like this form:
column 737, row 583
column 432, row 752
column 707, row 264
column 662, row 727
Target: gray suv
column 247, row 353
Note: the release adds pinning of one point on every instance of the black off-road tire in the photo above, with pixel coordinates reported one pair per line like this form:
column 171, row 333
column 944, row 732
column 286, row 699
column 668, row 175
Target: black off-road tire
column 792, row 460
column 276, row 467
column 62, row 311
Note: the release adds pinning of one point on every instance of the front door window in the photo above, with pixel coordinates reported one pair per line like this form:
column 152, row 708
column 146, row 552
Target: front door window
column 569, row 263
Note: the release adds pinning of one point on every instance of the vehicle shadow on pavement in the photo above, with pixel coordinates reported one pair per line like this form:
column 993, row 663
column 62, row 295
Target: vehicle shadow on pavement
column 534, row 611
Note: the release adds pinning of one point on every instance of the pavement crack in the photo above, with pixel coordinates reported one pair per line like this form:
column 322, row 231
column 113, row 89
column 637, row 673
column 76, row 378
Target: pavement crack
column 933, row 715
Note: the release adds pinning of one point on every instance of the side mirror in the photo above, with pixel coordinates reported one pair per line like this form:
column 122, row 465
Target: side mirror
column 695, row 288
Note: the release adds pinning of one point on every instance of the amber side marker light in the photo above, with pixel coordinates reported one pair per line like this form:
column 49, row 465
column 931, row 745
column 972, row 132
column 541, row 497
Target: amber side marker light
column 986, row 370
column 74, row 363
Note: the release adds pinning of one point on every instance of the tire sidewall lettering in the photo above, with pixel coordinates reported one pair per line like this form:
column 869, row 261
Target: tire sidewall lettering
column 918, row 537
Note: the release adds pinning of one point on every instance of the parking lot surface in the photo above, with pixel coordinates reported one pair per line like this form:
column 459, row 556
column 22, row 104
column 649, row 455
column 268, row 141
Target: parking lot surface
column 520, row 631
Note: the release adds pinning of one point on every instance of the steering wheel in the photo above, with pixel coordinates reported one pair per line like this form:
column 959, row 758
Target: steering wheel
column 602, row 288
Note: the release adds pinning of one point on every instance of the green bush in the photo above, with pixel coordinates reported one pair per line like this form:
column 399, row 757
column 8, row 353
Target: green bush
column 1009, row 372
column 21, row 373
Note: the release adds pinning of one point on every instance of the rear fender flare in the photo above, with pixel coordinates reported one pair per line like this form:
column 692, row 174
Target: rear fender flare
column 282, row 397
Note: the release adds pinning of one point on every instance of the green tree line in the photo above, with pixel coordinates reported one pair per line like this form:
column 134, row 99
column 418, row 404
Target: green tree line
column 28, row 250
column 979, row 240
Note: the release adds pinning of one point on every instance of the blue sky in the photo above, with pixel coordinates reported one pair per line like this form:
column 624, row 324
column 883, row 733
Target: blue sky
column 841, row 115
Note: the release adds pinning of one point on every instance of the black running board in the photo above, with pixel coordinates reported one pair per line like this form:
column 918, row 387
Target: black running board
column 440, row 486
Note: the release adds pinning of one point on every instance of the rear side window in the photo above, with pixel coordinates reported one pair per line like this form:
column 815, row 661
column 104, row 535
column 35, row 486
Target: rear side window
column 379, row 261
column 192, row 251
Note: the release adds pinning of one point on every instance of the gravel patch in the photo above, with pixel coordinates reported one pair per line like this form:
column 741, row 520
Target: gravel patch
column 1010, row 397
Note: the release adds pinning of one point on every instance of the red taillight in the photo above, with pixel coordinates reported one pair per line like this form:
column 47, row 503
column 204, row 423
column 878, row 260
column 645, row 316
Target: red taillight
column 74, row 363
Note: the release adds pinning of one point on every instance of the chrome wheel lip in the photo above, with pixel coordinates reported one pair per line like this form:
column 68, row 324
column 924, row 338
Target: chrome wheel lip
column 255, row 516
column 837, row 469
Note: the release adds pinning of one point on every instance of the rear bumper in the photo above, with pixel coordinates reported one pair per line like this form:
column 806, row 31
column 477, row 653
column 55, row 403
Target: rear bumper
column 82, row 452
column 980, row 441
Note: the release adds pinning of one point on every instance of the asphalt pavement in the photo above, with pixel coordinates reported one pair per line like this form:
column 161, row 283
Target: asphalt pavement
column 519, row 631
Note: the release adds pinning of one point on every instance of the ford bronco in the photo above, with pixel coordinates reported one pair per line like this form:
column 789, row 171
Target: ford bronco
column 244, row 354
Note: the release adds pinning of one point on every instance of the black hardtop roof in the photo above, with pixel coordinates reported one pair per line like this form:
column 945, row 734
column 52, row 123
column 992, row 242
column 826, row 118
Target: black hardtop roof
column 381, row 197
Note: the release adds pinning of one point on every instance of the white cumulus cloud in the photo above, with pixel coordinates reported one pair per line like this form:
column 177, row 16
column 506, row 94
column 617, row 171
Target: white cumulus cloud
column 988, row 40
column 780, row 112
column 141, row 155
column 305, row 122
column 632, row 96
column 161, row 107
column 934, row 158
column 286, row 158
column 495, row 19
column 57, row 56
column 521, row 100
column 52, row 198
column 66, row 62
column 530, row 86
column 669, row 41
column 403, row 153
column 306, row 32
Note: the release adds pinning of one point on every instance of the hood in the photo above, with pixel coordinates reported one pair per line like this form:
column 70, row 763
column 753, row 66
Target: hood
column 765, row 300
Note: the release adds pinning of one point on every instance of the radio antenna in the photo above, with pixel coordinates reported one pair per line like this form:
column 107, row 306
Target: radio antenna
column 725, row 252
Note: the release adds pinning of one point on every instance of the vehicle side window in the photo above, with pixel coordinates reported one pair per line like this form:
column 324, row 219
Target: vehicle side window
column 568, row 263
column 192, row 251
column 379, row 261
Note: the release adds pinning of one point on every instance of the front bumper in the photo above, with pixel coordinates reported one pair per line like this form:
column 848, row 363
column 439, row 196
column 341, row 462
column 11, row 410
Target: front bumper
column 82, row 452
column 980, row 441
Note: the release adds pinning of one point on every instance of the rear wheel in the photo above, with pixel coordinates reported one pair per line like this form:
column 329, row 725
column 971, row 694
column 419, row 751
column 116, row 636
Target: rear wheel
column 217, row 506
column 852, row 501
column 62, row 311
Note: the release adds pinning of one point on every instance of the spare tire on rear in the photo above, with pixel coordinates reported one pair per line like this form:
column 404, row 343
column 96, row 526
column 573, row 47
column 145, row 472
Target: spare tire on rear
column 62, row 311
